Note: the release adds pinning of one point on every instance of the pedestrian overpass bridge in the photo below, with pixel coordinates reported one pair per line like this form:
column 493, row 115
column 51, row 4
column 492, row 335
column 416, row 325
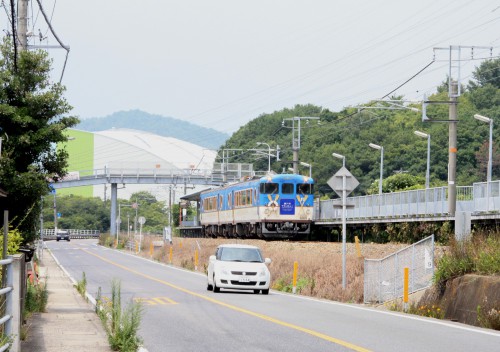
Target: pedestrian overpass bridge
column 115, row 176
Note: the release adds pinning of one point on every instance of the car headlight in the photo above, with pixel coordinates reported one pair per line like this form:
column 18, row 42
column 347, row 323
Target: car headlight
column 224, row 271
column 262, row 272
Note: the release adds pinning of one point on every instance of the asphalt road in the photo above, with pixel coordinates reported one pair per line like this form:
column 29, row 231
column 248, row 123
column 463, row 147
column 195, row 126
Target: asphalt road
column 181, row 315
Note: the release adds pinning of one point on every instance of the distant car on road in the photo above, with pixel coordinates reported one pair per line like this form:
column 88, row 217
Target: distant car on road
column 62, row 235
column 239, row 267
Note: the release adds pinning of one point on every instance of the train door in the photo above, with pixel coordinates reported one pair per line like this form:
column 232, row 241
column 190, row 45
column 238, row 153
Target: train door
column 231, row 205
column 220, row 201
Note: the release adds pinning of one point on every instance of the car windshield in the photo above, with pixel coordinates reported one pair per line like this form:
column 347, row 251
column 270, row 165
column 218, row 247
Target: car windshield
column 240, row 255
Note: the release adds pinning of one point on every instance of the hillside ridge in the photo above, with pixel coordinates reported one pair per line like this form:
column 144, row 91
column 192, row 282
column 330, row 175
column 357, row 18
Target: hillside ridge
column 157, row 124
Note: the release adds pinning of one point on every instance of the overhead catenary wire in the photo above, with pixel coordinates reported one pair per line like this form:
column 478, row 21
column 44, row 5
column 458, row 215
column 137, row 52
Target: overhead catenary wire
column 55, row 36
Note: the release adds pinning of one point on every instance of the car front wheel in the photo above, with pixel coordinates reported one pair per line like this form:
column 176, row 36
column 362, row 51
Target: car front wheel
column 265, row 292
column 216, row 289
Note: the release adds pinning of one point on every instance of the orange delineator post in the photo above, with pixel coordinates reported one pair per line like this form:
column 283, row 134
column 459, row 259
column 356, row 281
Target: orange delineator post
column 295, row 270
column 170, row 255
column 358, row 247
column 196, row 259
column 405, row 287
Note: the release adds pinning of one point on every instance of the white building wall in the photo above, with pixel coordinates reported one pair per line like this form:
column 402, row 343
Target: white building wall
column 130, row 149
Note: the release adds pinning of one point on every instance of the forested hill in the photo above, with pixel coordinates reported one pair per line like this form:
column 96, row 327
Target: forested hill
column 160, row 125
column 350, row 132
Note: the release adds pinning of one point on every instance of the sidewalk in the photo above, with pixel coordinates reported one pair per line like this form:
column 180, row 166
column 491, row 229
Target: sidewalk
column 70, row 324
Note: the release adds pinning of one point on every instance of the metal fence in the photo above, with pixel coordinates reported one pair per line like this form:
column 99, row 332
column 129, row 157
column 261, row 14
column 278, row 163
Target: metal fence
column 383, row 278
column 73, row 233
column 6, row 319
column 430, row 202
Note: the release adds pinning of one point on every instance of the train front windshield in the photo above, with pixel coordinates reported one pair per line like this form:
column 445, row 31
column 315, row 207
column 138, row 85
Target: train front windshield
column 269, row 188
column 305, row 188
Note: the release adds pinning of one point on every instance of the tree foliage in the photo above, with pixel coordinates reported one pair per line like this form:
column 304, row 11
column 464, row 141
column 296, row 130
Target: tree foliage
column 33, row 117
column 77, row 213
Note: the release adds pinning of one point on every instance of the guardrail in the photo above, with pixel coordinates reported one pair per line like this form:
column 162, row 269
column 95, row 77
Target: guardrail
column 432, row 202
column 73, row 234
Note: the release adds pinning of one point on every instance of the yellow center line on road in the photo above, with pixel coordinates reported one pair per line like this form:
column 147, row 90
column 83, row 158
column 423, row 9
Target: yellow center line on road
column 238, row 309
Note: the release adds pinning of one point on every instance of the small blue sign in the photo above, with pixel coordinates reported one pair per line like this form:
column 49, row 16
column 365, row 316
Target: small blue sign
column 58, row 215
column 287, row 207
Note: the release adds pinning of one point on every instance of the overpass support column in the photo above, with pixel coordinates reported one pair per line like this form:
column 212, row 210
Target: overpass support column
column 114, row 196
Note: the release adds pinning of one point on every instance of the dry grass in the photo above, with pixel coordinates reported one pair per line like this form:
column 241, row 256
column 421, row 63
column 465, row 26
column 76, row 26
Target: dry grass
column 319, row 263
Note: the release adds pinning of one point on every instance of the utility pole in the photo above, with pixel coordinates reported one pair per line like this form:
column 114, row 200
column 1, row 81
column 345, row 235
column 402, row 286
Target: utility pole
column 22, row 23
column 55, row 214
column 296, row 138
column 454, row 90
column 452, row 158
column 170, row 206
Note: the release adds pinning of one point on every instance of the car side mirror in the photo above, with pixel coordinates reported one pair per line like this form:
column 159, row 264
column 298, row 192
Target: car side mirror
column 211, row 258
column 267, row 260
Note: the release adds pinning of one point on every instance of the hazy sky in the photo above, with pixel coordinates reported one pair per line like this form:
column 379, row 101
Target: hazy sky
column 222, row 63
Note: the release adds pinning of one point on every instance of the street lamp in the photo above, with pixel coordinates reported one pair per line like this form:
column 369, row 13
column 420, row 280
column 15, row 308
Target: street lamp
column 309, row 166
column 344, row 220
column 378, row 147
column 427, row 172
column 339, row 156
column 268, row 156
column 490, row 149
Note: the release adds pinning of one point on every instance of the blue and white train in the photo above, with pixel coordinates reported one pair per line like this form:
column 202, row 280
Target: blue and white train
column 274, row 206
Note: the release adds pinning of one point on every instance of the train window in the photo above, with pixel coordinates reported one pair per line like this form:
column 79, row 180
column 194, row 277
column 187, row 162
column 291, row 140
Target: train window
column 305, row 188
column 287, row 188
column 268, row 188
column 210, row 204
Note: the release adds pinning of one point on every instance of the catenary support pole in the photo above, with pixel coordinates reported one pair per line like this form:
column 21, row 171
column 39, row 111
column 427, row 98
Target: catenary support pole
column 452, row 156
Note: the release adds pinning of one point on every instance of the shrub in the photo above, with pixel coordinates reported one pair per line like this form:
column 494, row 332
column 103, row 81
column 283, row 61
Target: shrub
column 431, row 311
column 489, row 317
column 286, row 284
column 81, row 286
column 480, row 254
column 121, row 325
column 36, row 298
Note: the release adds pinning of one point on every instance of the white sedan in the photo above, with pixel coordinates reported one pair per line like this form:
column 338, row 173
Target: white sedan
column 240, row 267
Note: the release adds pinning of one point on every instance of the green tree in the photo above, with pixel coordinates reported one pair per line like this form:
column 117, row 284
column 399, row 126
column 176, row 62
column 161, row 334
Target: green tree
column 488, row 73
column 153, row 210
column 77, row 213
column 32, row 120
column 398, row 182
